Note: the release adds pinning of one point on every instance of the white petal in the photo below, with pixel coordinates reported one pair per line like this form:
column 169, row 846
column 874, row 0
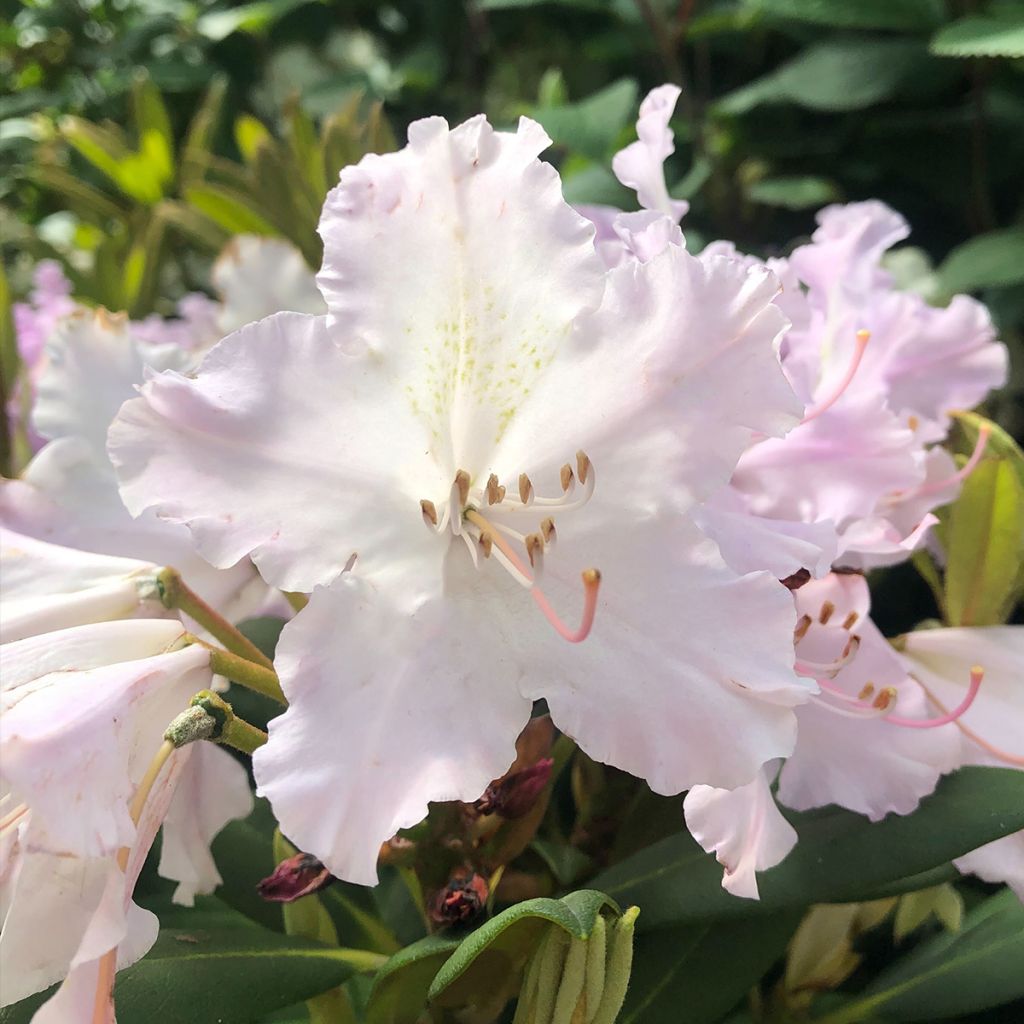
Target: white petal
column 473, row 325
column 686, row 676
column 640, row 165
column 388, row 710
column 48, row 587
column 744, row 829
column 257, row 276
column 212, row 790
column 998, row 862
column 341, row 459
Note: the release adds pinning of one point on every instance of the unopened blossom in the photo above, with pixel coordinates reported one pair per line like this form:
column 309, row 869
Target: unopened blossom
column 991, row 729
column 83, row 714
column 441, row 456
column 48, row 587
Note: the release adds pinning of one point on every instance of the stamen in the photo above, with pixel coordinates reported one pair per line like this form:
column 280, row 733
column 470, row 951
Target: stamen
column 886, row 698
column 869, row 688
column 582, row 466
column 863, row 337
column 830, row 668
column 429, row 510
column 495, row 492
column 801, row 627
column 977, row 674
column 566, row 477
column 984, row 433
column 12, row 816
column 462, row 484
column 851, row 710
column 547, row 529
column 486, row 543
column 508, row 558
column 826, row 612
column 535, row 548
column 525, row 489
column 850, row 621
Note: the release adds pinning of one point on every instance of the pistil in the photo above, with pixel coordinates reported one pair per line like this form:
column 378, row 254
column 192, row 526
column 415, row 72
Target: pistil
column 860, row 346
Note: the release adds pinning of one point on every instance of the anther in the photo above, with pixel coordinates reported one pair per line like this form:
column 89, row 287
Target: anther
column 913, row 422
column 826, row 612
column 850, row 621
column 462, row 483
column 886, row 698
column 582, row 466
column 534, row 547
column 801, row 627
column 525, row 489
column 869, row 689
column 566, row 477
column 429, row 512
column 547, row 529
column 486, row 543
column 495, row 492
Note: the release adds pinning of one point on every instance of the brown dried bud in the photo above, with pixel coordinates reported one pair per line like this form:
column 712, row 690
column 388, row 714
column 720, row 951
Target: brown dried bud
column 514, row 794
column 797, row 580
column 294, row 878
column 461, row 899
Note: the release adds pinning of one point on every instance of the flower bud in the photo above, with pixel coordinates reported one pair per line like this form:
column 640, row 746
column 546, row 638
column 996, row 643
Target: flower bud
column 513, row 795
column 461, row 899
column 294, row 878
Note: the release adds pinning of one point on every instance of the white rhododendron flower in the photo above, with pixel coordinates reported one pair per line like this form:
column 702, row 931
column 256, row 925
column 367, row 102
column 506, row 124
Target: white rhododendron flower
column 440, row 457
column 83, row 714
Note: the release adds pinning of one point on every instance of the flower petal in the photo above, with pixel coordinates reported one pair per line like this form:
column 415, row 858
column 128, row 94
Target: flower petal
column 388, row 709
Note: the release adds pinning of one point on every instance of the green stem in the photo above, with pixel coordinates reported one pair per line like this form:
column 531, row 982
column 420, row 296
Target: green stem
column 176, row 593
column 228, row 729
column 244, row 672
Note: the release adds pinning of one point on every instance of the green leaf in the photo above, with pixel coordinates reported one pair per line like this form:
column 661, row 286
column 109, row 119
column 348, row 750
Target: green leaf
column 154, row 127
column 400, row 989
column 835, row 75
column 201, row 129
column 841, row 857
column 254, row 18
column 593, row 125
column 499, row 949
column 954, row 974
column 982, row 532
column 882, row 14
column 232, row 975
column 996, row 35
column 986, row 261
column 793, row 193
column 232, row 210
column 708, row 967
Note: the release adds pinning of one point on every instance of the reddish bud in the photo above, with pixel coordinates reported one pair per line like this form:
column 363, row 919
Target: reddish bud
column 514, row 794
column 461, row 899
column 797, row 580
column 294, row 878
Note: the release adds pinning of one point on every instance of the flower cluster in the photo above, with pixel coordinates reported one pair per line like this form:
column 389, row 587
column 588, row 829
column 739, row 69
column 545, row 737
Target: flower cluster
column 501, row 452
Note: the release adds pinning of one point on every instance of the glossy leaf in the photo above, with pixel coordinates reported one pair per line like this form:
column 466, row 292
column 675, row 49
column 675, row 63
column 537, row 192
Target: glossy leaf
column 841, row 857
column 882, row 14
column 796, row 193
column 986, row 261
column 400, row 989
column 592, row 126
column 997, row 35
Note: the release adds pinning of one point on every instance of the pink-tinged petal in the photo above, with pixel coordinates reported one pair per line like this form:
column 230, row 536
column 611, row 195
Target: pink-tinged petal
column 80, row 725
column 870, row 766
column 999, row 862
column 647, row 233
column 334, row 440
column 641, row 165
column 943, row 658
column 34, row 321
column 837, row 466
column 687, row 674
column 390, row 708
column 68, row 496
column 470, row 329
column 631, row 387
column 751, row 543
column 744, row 829
column 48, row 587
column 257, row 276
column 874, row 542
column 212, row 790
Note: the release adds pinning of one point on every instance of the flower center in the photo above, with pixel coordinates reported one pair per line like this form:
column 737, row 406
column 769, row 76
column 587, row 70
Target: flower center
column 493, row 523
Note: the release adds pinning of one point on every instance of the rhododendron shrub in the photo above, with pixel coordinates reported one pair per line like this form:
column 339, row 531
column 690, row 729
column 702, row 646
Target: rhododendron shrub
column 484, row 624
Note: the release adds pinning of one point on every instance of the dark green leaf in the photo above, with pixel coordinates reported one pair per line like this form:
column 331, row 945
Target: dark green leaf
column 998, row 35
column 593, row 125
column 986, row 261
column 795, row 193
column 841, row 857
column 883, row 14
column 400, row 988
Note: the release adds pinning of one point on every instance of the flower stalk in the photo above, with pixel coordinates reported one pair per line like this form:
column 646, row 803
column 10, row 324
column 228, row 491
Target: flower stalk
column 244, row 672
column 224, row 726
column 175, row 593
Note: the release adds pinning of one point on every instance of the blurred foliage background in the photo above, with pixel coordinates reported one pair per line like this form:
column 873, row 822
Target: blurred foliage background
column 137, row 135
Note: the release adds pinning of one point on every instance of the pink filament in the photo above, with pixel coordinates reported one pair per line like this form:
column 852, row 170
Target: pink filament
column 977, row 674
column 860, row 345
column 984, row 432
column 591, row 586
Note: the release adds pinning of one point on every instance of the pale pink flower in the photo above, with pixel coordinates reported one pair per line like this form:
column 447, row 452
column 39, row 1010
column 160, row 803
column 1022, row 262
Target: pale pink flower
column 412, row 437
column 83, row 714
